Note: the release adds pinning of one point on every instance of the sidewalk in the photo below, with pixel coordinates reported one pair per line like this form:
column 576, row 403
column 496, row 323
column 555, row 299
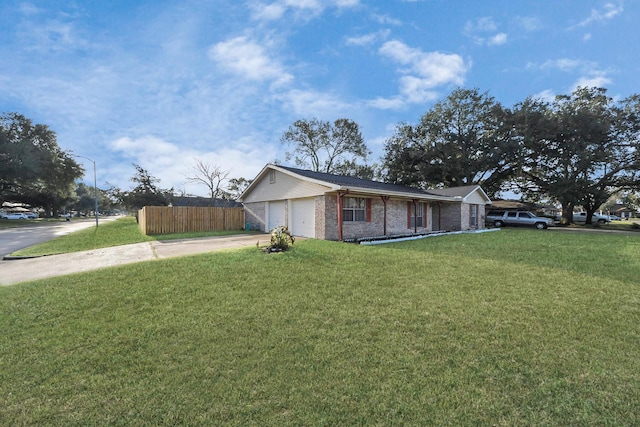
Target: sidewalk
column 22, row 270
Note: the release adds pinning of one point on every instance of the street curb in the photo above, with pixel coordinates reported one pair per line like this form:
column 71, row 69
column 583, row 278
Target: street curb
column 17, row 258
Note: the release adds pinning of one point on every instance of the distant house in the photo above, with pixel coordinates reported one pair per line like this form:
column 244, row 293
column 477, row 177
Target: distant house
column 335, row 207
column 623, row 211
column 204, row 202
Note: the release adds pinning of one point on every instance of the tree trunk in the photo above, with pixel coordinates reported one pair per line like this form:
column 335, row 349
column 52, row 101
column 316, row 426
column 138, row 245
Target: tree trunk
column 567, row 213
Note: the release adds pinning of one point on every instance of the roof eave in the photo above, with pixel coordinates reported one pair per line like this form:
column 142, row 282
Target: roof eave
column 399, row 194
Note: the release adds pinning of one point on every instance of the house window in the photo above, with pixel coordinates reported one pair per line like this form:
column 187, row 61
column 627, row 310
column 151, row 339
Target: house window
column 354, row 209
column 473, row 215
column 416, row 214
column 272, row 177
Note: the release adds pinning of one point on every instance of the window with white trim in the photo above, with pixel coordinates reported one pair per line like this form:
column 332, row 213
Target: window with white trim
column 354, row 209
column 473, row 215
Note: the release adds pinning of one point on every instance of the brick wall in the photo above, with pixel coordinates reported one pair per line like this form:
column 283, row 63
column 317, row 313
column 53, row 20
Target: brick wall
column 450, row 216
column 453, row 217
column 396, row 220
column 254, row 213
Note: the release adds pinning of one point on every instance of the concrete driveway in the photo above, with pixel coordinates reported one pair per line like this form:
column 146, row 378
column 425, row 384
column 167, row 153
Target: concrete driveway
column 21, row 270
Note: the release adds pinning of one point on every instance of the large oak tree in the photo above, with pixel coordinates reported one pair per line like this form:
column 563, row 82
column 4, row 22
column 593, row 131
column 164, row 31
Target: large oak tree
column 35, row 170
column 579, row 149
column 461, row 140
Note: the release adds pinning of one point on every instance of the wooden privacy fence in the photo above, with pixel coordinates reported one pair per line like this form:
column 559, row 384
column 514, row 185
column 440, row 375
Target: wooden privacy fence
column 184, row 219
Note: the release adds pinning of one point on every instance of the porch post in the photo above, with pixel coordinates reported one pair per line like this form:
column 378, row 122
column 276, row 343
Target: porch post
column 415, row 215
column 385, row 199
column 340, row 196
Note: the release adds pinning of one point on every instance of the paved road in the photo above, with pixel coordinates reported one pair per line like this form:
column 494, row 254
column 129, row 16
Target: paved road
column 16, row 238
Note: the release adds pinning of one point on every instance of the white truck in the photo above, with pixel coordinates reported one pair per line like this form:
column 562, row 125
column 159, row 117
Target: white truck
column 581, row 217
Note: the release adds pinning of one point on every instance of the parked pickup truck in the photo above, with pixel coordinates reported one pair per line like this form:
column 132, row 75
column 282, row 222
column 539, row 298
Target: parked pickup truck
column 597, row 218
column 518, row 218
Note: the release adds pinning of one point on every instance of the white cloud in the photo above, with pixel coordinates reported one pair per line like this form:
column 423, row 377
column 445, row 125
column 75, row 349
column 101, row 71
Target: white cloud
column 590, row 74
column 29, row 9
column 267, row 12
column 367, row 39
column 422, row 72
column 529, row 23
column 562, row 64
column 51, row 36
column 546, row 95
column 347, row 3
column 608, row 11
column 394, row 103
column 434, row 68
column 484, row 25
column 497, row 40
column 145, row 147
column 417, row 90
column 484, row 31
column 304, row 8
column 594, row 79
column 249, row 59
column 310, row 103
column 386, row 19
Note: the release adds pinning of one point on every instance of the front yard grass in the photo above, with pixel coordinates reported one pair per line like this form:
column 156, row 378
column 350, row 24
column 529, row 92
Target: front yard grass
column 627, row 225
column 516, row 327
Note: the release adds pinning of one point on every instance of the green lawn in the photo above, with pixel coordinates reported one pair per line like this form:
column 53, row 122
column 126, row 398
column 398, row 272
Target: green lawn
column 122, row 231
column 627, row 225
column 508, row 328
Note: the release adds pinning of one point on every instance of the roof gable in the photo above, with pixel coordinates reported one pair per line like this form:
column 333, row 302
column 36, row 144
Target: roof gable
column 466, row 192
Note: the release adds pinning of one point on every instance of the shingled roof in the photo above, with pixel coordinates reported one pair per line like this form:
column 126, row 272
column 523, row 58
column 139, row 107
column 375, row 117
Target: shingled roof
column 462, row 191
column 352, row 182
column 354, row 185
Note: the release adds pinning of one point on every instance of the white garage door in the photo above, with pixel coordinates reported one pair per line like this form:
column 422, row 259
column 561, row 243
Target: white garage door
column 303, row 217
column 276, row 215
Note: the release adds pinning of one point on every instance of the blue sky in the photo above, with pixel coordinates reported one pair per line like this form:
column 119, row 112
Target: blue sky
column 161, row 83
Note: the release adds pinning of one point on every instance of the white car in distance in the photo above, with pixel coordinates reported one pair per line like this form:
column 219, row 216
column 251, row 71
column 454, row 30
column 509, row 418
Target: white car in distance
column 4, row 215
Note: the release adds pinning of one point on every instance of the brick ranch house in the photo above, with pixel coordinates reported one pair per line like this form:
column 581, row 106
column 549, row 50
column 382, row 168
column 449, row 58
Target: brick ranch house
column 334, row 207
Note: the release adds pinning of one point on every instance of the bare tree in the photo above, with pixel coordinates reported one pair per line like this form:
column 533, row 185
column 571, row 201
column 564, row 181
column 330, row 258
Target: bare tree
column 212, row 176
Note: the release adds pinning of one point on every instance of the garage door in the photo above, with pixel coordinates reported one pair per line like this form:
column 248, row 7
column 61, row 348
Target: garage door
column 303, row 214
column 276, row 215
